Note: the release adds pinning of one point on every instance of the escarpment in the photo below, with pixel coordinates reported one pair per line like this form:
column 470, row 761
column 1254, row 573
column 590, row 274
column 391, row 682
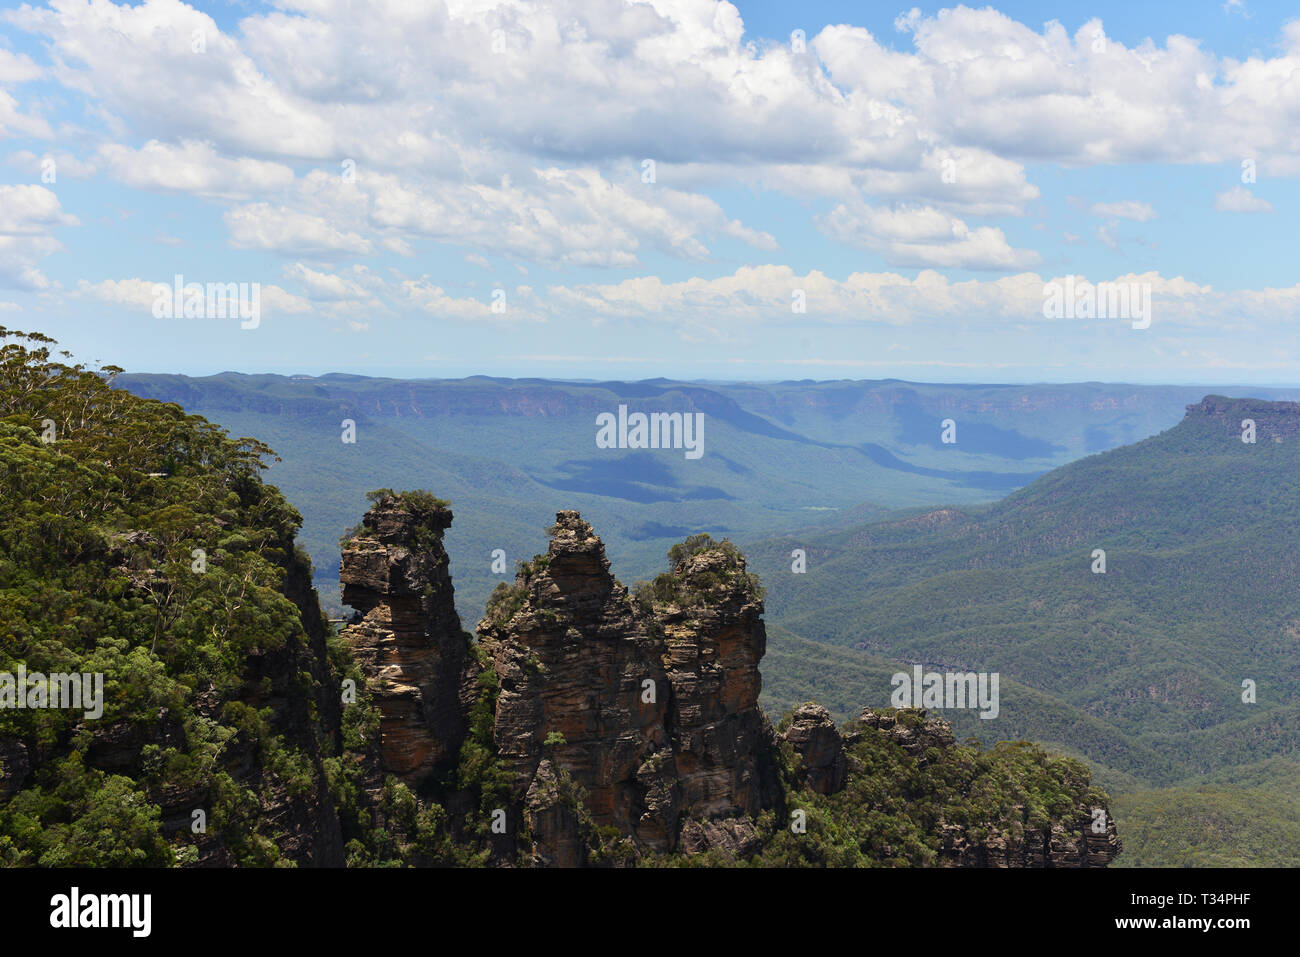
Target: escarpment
column 598, row 726
column 1228, row 418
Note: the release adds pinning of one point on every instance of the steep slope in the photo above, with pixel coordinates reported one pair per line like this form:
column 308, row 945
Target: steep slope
column 1197, row 597
column 140, row 549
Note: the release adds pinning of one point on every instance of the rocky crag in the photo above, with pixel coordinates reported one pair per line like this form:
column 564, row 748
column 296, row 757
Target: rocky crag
column 624, row 726
column 650, row 704
column 406, row 635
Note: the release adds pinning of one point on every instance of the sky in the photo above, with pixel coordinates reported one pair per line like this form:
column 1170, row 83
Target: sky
column 677, row 188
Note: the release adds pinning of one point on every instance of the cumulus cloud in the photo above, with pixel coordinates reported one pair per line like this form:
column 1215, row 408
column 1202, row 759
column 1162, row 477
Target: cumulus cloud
column 503, row 305
column 329, row 287
column 328, row 131
column 30, row 210
column 27, row 214
column 924, row 237
column 764, row 294
column 140, row 294
column 17, row 67
column 582, row 90
column 191, row 167
column 280, row 229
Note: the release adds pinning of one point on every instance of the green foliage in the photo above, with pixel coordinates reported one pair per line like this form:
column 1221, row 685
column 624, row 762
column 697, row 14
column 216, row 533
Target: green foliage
column 1137, row 670
column 901, row 811
column 504, row 602
column 686, row 585
column 147, row 549
column 1245, row 817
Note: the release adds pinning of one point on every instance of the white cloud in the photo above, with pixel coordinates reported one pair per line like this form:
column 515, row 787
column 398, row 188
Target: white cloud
column 1241, row 200
column 30, row 210
column 909, row 148
column 763, row 295
column 924, row 237
column 27, row 214
column 14, row 122
column 1126, row 209
column 518, row 304
column 17, row 67
column 281, row 229
column 191, row 167
column 140, row 294
column 322, row 286
column 136, row 293
column 61, row 164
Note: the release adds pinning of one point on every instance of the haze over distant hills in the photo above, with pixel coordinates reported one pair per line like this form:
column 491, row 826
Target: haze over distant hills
column 778, row 457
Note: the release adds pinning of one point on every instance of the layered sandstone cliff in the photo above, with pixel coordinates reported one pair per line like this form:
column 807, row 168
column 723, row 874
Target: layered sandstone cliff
column 407, row 636
column 578, row 668
column 649, row 706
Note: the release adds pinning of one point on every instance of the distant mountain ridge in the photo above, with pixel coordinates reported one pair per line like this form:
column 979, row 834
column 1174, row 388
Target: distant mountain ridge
column 779, row 456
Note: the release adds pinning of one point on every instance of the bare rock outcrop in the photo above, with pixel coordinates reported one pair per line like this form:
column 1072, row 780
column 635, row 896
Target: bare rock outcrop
column 650, row 706
column 709, row 610
column 408, row 638
column 910, row 728
column 823, row 764
column 1072, row 845
column 582, row 680
column 1275, row 422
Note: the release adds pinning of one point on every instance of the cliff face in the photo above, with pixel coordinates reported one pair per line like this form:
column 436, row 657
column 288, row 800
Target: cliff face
column 408, row 640
column 710, row 617
column 651, row 707
column 1274, row 421
column 577, row 666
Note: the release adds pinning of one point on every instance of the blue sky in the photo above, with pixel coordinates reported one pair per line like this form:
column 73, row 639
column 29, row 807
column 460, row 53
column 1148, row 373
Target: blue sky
column 917, row 177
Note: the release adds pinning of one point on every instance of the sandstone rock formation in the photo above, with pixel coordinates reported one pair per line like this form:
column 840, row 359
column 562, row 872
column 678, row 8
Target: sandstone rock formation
column 651, row 707
column 709, row 612
column 1056, row 845
column 1275, row 422
column 823, row 765
column 1084, row 838
column 408, row 638
column 578, row 666
column 912, row 738
column 621, row 724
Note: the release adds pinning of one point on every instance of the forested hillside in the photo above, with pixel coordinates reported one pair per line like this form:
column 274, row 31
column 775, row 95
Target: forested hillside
column 1176, row 663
